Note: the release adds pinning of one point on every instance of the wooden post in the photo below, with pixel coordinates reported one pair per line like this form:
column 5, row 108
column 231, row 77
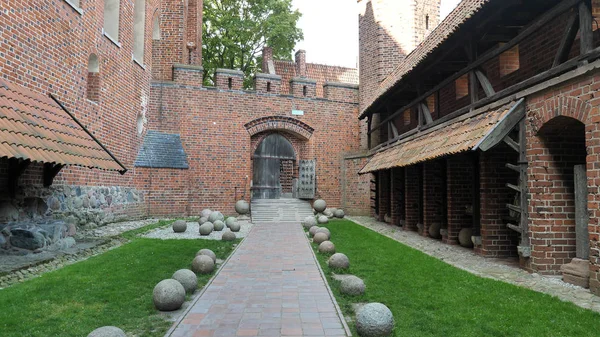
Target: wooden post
column 585, row 27
column 476, row 195
column 524, row 220
column 582, row 235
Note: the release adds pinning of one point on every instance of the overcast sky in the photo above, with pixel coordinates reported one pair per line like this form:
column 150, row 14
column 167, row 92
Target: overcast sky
column 331, row 29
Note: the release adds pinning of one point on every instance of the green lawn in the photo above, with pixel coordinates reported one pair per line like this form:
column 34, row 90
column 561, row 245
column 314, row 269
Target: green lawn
column 431, row 298
column 114, row 288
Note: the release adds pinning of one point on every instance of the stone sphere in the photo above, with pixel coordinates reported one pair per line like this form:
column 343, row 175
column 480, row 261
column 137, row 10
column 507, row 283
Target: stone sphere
column 324, row 230
column 206, row 228
column 319, row 205
column 107, row 331
column 235, row 227
column 339, row 213
column 464, row 237
column 327, row 247
column 216, row 215
column 373, row 320
column 168, row 295
column 219, row 225
column 230, row 220
column 352, row 285
column 434, row 230
column 338, row 261
column 332, row 210
column 203, row 220
column 208, row 253
column 320, row 237
column 242, row 207
column 187, row 278
column 179, row 226
column 328, row 213
column 228, row 236
column 323, row 219
column 309, row 222
column 203, row 264
column 205, row 213
column 313, row 230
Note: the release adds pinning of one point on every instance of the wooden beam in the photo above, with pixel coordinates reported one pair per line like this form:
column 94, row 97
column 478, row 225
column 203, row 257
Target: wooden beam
column 50, row 172
column 515, row 228
column 515, row 168
column 426, row 113
column 514, row 187
column 504, row 127
column 16, row 167
column 514, row 208
column 523, row 202
column 510, row 142
column 394, row 129
column 545, row 18
column 567, row 40
column 485, row 83
column 585, row 27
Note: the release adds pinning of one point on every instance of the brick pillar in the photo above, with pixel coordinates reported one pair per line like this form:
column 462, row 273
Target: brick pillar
column 267, row 57
column 383, row 189
column 397, row 185
column 301, row 63
column 497, row 240
column 434, row 173
column 411, row 196
column 459, row 181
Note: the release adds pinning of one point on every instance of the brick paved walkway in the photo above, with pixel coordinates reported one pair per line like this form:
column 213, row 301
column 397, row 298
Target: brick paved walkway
column 271, row 286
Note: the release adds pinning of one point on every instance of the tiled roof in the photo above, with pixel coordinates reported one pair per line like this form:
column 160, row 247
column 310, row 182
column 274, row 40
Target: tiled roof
column 34, row 127
column 461, row 14
column 162, row 150
column 461, row 136
column 320, row 72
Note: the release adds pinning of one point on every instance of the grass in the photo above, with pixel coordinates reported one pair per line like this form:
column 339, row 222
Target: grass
column 431, row 298
column 114, row 288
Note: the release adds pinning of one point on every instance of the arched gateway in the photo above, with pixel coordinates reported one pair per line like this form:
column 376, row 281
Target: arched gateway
column 273, row 167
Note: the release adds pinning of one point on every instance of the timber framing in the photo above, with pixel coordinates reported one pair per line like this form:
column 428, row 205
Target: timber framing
column 478, row 77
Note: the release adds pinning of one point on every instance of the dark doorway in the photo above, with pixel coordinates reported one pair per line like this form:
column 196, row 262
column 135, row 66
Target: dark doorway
column 273, row 161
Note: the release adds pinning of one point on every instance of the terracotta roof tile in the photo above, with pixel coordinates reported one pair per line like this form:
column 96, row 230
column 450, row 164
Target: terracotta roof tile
column 320, row 72
column 461, row 136
column 461, row 14
column 36, row 128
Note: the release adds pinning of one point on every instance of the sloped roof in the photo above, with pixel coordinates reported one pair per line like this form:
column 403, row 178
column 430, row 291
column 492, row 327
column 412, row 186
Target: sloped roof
column 461, row 14
column 34, row 127
column 162, row 150
column 319, row 72
column 461, row 136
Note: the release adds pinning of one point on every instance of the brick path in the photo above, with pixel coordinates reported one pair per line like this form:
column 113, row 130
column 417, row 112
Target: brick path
column 271, row 286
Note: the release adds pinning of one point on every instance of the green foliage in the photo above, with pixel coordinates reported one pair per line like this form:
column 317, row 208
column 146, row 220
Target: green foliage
column 431, row 298
column 114, row 288
column 235, row 32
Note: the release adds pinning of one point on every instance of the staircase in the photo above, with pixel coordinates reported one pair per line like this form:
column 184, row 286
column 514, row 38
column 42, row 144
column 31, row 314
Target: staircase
column 280, row 210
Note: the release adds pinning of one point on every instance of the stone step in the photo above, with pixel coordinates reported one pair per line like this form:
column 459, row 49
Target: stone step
column 280, row 210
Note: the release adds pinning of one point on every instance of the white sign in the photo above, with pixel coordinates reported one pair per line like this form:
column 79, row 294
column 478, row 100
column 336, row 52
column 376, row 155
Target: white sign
column 298, row 112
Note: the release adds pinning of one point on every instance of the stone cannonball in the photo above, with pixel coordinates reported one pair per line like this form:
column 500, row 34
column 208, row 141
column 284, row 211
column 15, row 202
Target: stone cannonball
column 464, row 237
column 320, row 237
column 168, row 295
column 339, row 213
column 179, row 226
column 373, row 320
column 230, row 220
column 328, row 213
column 309, row 222
column 323, row 219
column 206, row 228
column 327, row 247
column 319, row 205
column 187, row 278
column 313, row 230
column 352, row 285
column 203, row 220
column 207, row 252
column 434, row 230
column 242, row 207
column 203, row 264
column 324, row 230
column 235, row 227
column 219, row 225
column 107, row 331
column 333, row 210
column 338, row 261
column 228, row 236
column 205, row 213
column 216, row 215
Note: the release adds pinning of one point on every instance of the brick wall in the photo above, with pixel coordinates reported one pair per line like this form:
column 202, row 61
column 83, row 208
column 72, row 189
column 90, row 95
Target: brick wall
column 411, row 195
column 384, row 195
column 434, row 177
column 355, row 188
column 460, row 182
column 398, row 208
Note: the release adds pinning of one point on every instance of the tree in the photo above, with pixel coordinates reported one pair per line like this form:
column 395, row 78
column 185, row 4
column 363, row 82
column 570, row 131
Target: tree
column 235, row 32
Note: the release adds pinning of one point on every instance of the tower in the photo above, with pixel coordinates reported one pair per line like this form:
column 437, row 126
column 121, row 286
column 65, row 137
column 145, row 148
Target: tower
column 388, row 31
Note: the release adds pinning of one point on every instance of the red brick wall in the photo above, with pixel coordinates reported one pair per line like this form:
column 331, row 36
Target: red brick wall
column 397, row 193
column 411, row 195
column 356, row 188
column 384, row 195
column 460, row 182
column 434, row 174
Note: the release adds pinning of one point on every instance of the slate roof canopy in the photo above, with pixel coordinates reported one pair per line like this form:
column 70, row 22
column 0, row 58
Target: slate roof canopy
column 162, row 150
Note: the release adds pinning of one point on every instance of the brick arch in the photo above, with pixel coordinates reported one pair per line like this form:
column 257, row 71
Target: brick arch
column 561, row 106
column 279, row 123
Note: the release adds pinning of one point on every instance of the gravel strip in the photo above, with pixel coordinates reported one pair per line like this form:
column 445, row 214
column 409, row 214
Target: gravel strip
column 114, row 229
column 192, row 232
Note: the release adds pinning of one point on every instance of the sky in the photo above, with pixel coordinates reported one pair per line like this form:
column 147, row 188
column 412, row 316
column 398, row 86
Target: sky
column 331, row 29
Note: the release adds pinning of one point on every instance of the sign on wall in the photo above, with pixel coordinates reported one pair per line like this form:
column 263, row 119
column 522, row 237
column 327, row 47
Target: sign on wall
column 307, row 178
